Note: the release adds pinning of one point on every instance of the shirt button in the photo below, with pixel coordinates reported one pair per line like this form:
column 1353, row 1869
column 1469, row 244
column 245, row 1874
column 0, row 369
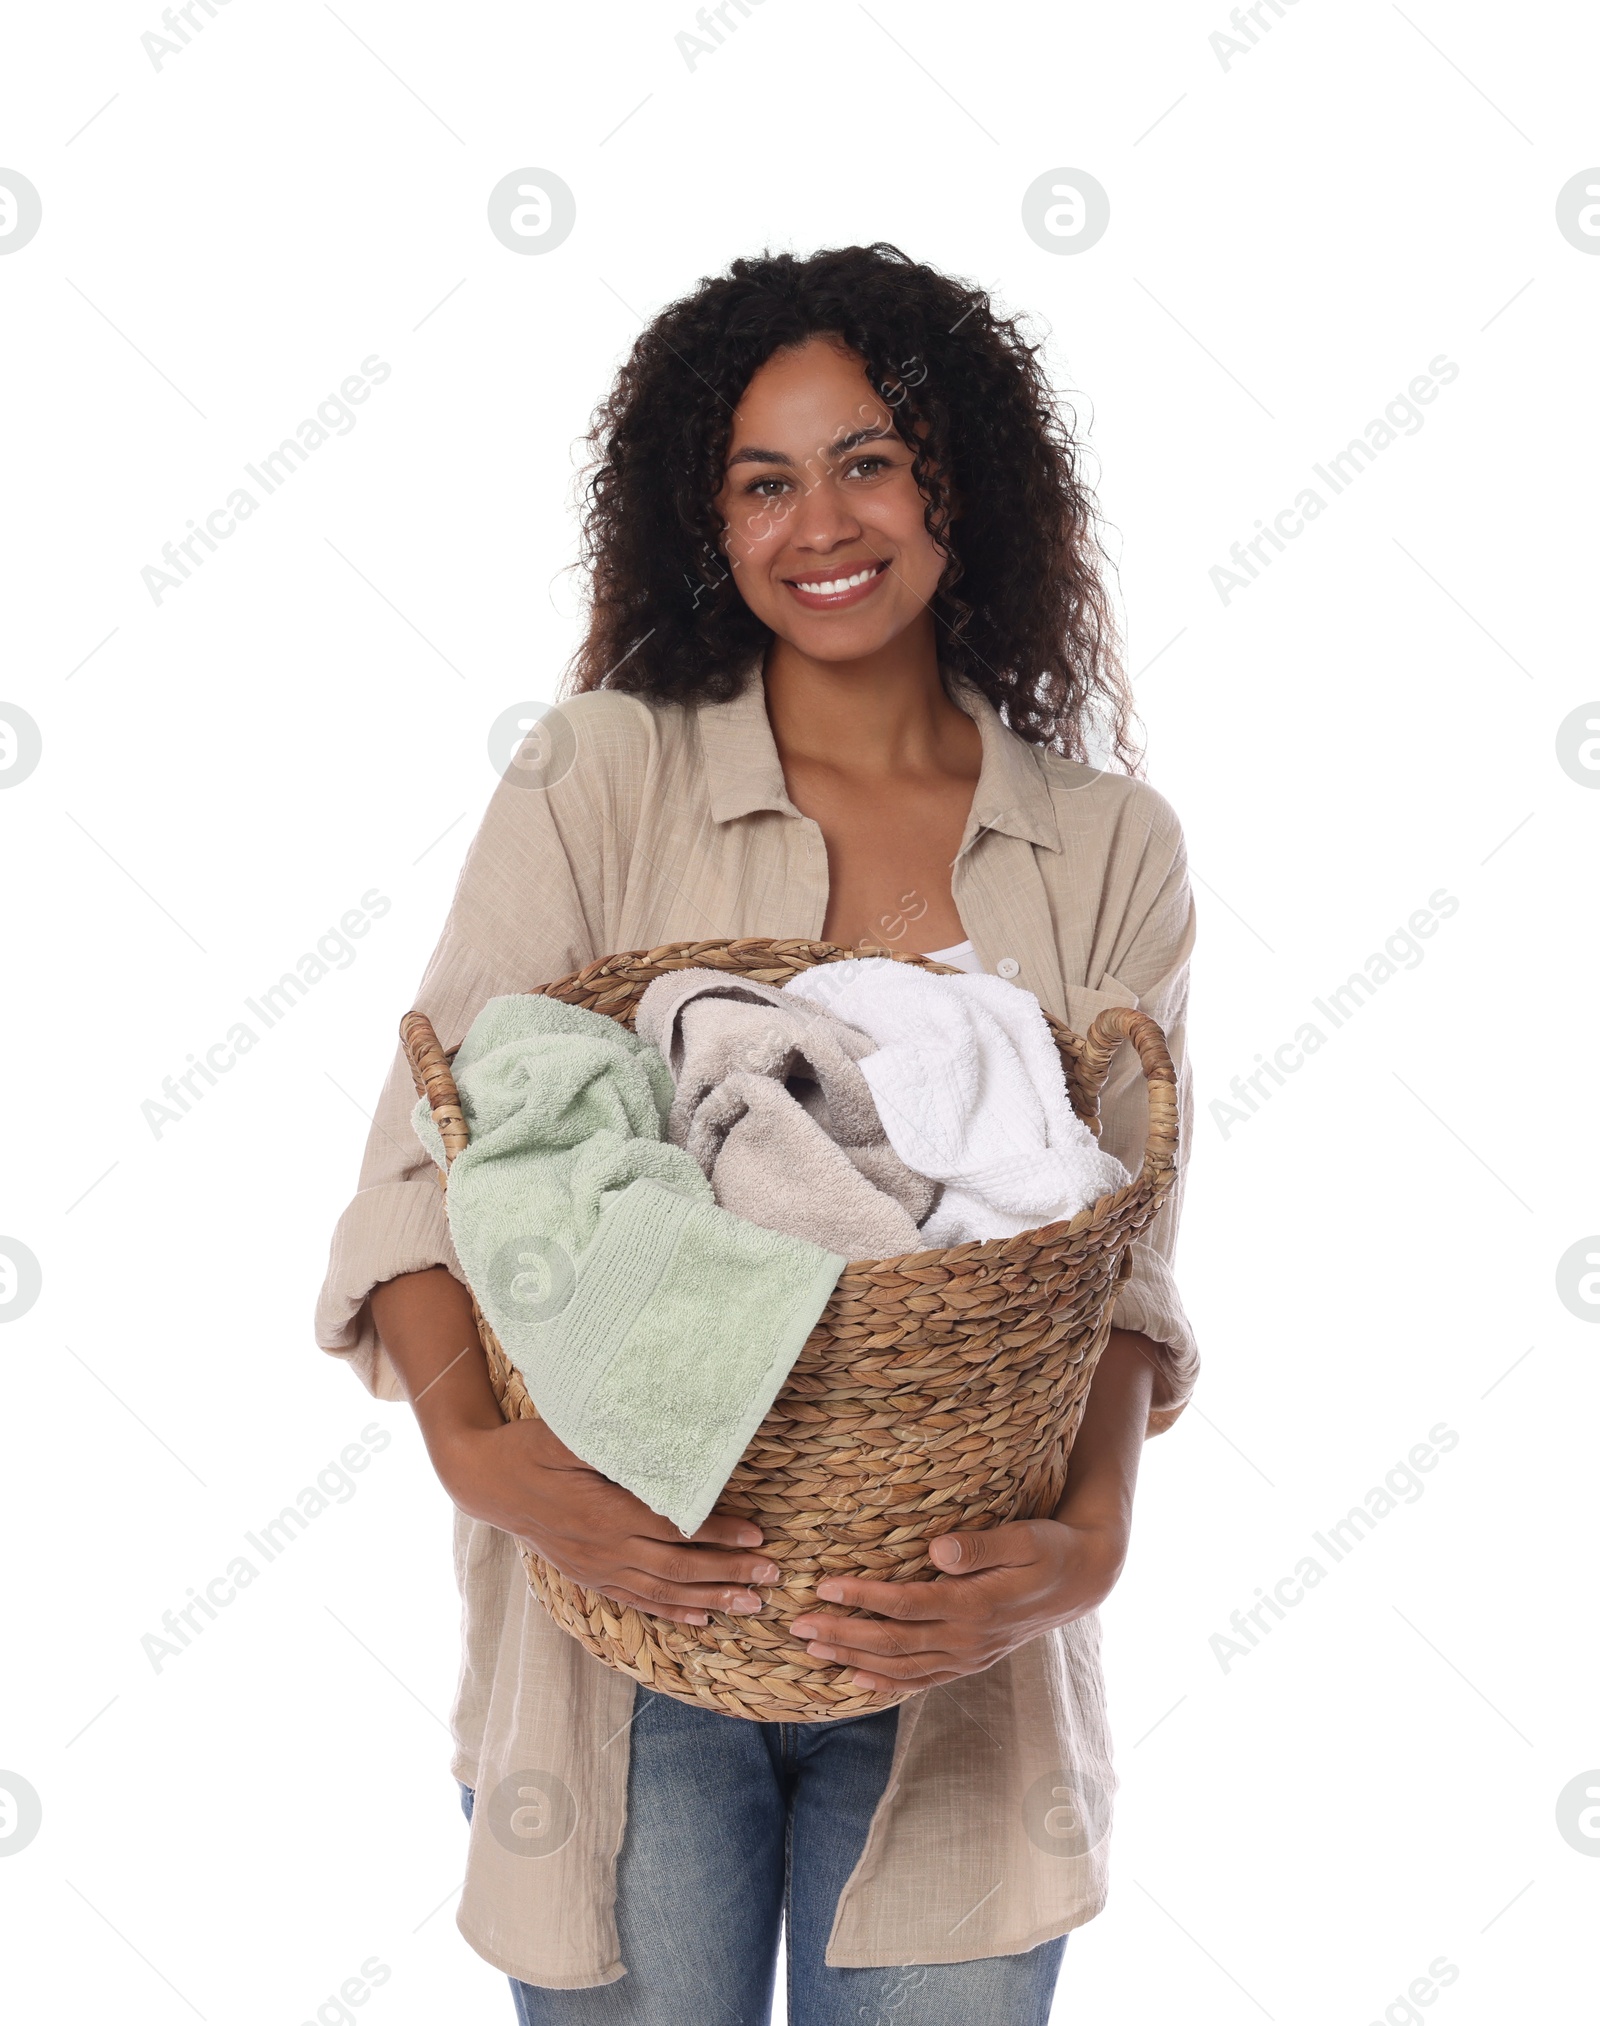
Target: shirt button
column 1008, row 967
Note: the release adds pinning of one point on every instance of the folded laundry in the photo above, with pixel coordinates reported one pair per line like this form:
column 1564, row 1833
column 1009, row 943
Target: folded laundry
column 772, row 1103
column 653, row 1328
column 970, row 1092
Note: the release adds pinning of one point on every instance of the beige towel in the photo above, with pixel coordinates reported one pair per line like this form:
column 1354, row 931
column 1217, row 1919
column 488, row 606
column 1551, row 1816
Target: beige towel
column 771, row 1103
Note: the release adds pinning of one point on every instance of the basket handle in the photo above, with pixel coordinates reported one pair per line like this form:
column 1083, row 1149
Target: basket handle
column 1111, row 1028
column 430, row 1072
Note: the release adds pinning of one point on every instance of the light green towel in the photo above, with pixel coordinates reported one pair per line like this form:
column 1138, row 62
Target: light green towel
column 653, row 1329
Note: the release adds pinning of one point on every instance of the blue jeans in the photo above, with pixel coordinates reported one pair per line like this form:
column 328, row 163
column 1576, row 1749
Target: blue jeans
column 735, row 1828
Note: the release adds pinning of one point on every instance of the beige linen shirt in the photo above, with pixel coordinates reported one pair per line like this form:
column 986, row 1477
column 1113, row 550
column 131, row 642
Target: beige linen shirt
column 651, row 824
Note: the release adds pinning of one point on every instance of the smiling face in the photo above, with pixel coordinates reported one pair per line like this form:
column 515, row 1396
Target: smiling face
column 824, row 521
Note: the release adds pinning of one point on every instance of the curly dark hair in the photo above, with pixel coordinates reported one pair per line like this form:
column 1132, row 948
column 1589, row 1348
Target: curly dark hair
column 1021, row 608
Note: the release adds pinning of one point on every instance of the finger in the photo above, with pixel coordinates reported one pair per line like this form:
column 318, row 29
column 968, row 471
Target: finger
column 640, row 1575
column 679, row 1562
column 904, row 1670
column 680, row 1614
column 861, row 1638
column 728, row 1531
column 720, row 1531
column 992, row 1548
column 885, row 1684
column 687, row 1607
column 737, row 1598
column 890, row 1600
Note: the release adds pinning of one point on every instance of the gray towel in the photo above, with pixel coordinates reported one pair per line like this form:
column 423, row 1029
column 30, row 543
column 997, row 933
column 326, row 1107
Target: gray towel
column 772, row 1105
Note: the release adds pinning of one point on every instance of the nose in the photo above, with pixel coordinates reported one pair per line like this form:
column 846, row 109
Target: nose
column 822, row 518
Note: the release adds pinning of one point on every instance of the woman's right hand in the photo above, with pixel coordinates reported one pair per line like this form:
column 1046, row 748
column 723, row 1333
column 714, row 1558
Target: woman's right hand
column 521, row 1477
column 517, row 1475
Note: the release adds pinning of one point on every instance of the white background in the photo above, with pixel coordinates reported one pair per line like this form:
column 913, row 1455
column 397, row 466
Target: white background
column 1294, row 236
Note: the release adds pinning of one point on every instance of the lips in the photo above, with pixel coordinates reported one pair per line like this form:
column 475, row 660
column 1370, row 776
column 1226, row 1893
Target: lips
column 828, row 590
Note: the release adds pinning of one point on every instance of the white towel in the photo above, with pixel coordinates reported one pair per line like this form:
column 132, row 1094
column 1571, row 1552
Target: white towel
column 971, row 1093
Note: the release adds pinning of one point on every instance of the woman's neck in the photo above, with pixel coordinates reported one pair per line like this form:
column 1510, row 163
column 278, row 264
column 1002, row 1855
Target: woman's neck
column 886, row 713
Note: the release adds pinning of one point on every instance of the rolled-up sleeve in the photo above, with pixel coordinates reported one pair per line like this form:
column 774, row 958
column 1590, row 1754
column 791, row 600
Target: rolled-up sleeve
column 1149, row 967
column 531, row 905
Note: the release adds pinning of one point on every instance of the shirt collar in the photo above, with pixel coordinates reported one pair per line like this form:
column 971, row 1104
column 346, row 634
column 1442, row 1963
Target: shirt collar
column 744, row 774
column 743, row 771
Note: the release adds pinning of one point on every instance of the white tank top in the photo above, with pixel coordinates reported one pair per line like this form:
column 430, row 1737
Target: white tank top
column 960, row 955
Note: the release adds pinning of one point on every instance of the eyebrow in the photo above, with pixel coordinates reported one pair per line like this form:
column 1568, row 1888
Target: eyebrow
column 752, row 455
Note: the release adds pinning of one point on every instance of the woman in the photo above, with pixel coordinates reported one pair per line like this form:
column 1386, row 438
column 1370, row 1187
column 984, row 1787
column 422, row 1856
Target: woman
column 848, row 644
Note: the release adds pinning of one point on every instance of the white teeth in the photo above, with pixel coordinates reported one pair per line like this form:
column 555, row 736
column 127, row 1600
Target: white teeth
column 835, row 585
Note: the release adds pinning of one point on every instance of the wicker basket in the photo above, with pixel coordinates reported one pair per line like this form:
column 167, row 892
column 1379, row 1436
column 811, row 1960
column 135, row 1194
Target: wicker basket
column 938, row 1391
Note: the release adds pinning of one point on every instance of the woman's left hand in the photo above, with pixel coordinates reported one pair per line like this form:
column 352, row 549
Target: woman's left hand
column 1000, row 1588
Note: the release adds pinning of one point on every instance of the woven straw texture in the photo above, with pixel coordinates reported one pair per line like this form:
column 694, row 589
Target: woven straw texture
column 939, row 1391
